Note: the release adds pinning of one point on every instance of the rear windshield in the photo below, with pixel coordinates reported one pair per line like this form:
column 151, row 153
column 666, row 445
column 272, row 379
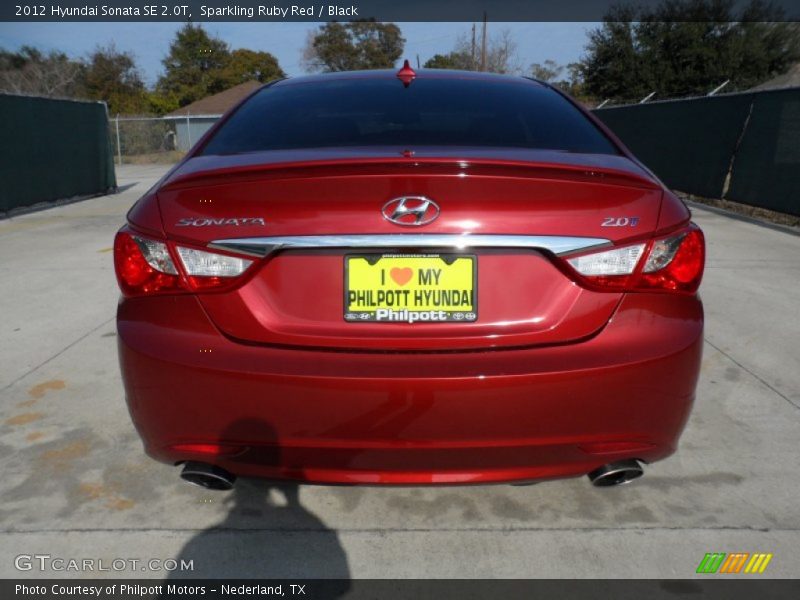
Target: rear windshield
column 430, row 112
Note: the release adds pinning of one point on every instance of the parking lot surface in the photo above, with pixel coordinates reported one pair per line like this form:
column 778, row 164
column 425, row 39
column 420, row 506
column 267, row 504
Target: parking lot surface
column 76, row 483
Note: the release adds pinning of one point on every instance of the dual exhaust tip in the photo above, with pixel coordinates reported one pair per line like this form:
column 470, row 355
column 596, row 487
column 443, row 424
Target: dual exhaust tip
column 616, row 473
column 207, row 476
column 212, row 477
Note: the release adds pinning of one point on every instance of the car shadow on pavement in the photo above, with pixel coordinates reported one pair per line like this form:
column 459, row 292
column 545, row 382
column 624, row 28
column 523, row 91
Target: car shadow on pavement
column 267, row 532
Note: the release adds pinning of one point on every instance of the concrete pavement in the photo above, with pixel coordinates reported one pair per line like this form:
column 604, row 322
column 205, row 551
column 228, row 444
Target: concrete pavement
column 77, row 485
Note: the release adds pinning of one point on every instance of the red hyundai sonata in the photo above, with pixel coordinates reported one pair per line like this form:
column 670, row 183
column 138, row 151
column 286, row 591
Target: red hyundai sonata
column 409, row 278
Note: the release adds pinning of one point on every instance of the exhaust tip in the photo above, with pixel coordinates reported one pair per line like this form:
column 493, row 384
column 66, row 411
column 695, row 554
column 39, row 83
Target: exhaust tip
column 207, row 476
column 616, row 473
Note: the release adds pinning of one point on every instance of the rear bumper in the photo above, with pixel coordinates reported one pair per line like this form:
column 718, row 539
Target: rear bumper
column 410, row 418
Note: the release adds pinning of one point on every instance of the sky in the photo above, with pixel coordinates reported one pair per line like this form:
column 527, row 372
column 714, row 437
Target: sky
column 149, row 42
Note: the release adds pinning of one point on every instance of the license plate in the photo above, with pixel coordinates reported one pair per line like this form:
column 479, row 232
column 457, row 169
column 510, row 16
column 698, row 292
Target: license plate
column 410, row 288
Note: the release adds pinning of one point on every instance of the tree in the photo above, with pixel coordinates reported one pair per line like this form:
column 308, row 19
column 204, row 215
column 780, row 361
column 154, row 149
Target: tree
column 192, row 69
column 29, row 71
column 353, row 46
column 687, row 47
column 554, row 74
column 199, row 65
column 159, row 103
column 574, row 84
column 451, row 60
column 501, row 52
column 112, row 76
column 613, row 66
column 248, row 65
column 547, row 72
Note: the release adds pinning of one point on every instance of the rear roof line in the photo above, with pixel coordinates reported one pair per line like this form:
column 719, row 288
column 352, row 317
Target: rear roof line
column 419, row 74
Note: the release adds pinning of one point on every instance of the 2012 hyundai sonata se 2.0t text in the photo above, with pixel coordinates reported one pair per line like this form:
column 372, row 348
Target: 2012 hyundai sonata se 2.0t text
column 409, row 278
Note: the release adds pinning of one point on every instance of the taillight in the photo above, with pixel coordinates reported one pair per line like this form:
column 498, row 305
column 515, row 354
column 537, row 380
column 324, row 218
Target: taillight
column 610, row 268
column 670, row 263
column 145, row 266
column 676, row 263
column 206, row 270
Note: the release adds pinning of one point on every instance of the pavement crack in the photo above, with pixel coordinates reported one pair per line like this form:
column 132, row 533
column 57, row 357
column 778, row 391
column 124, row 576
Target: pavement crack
column 56, row 355
column 754, row 375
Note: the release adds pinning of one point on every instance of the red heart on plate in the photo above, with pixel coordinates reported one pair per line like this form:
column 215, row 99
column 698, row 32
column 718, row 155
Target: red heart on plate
column 401, row 276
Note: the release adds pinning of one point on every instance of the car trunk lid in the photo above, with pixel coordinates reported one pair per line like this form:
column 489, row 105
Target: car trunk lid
column 510, row 214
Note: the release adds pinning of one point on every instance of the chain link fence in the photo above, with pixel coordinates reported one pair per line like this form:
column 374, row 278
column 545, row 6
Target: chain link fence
column 148, row 139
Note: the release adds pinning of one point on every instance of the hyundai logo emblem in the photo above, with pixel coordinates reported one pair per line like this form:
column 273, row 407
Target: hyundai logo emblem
column 410, row 211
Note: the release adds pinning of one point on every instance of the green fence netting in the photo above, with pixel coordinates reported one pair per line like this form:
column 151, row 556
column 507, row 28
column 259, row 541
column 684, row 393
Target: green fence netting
column 766, row 169
column 687, row 143
column 51, row 150
column 745, row 147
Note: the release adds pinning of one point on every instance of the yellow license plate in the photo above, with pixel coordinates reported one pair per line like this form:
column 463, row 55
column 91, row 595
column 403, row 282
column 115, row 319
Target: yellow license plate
column 410, row 288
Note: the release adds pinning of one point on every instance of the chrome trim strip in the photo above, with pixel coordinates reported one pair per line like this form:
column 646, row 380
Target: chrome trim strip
column 264, row 246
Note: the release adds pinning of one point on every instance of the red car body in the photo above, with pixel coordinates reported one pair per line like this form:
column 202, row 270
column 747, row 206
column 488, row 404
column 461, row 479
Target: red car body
column 565, row 366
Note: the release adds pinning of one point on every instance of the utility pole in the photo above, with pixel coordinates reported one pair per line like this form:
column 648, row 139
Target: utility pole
column 418, row 61
column 483, row 44
column 472, row 54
